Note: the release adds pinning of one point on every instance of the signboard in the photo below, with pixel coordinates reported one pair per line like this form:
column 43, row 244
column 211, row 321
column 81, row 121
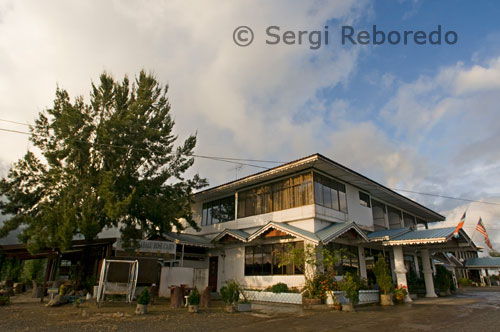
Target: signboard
column 149, row 246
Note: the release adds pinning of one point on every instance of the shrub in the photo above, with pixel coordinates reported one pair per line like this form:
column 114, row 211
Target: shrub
column 230, row 293
column 144, row 297
column 464, row 282
column 350, row 287
column 280, row 287
column 194, row 297
column 443, row 279
column 382, row 275
column 4, row 299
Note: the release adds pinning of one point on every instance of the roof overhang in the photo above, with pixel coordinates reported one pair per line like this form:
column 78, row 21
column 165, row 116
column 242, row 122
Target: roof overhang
column 440, row 236
column 189, row 240
column 334, row 231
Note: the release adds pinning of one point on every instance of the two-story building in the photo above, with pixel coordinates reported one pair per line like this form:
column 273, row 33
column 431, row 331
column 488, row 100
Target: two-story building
column 314, row 200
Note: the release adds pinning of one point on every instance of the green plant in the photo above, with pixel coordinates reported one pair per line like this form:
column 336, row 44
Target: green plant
column 401, row 291
column 4, row 299
column 443, row 279
column 416, row 284
column 464, row 282
column 33, row 270
column 144, row 297
column 382, row 275
column 230, row 293
column 280, row 287
column 194, row 297
column 350, row 287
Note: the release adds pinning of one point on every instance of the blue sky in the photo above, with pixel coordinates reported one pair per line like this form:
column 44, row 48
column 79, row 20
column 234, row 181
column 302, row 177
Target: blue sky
column 422, row 118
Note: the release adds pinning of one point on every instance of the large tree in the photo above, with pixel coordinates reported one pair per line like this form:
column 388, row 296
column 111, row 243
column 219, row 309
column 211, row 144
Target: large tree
column 113, row 162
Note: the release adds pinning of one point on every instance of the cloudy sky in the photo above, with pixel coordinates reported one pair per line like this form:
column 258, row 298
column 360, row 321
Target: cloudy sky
column 416, row 117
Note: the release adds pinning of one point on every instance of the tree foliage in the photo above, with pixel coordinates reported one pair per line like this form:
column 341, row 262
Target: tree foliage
column 112, row 162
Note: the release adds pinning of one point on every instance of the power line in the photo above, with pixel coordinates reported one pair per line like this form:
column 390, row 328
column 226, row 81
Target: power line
column 226, row 160
column 240, row 161
column 447, row 197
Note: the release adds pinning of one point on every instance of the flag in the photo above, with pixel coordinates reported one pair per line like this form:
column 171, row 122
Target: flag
column 460, row 225
column 481, row 229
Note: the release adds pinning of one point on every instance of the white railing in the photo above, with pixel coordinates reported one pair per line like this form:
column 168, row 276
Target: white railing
column 292, row 298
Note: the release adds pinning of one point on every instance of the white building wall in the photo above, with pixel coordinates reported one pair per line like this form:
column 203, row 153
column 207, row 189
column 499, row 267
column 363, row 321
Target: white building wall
column 362, row 215
column 232, row 266
column 176, row 276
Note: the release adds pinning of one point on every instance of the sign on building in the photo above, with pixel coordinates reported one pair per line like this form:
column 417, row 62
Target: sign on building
column 149, row 246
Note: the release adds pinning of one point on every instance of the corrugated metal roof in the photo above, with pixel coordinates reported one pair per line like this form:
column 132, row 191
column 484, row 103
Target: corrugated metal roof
column 483, row 262
column 387, row 234
column 425, row 234
column 188, row 239
column 333, row 231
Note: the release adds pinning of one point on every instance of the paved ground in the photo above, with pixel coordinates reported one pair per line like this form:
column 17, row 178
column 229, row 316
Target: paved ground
column 475, row 309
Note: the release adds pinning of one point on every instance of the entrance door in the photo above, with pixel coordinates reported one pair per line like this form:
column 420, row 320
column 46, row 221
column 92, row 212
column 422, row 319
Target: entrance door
column 213, row 267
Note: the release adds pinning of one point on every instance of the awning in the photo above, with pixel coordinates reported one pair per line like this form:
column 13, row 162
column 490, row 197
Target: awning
column 288, row 229
column 189, row 239
column 483, row 263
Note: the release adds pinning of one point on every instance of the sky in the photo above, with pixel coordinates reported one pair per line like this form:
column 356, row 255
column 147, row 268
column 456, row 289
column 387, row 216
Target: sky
column 422, row 118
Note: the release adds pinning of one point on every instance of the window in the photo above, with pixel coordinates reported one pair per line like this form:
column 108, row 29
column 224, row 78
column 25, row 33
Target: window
column 329, row 193
column 364, row 199
column 350, row 260
column 409, row 220
column 264, row 259
column 394, row 217
column 379, row 215
column 218, row 211
column 285, row 194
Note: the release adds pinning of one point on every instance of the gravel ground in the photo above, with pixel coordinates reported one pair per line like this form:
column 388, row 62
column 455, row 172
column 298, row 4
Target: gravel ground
column 470, row 310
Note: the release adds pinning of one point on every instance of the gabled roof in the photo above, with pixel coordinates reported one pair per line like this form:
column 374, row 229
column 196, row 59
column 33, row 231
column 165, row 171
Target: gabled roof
column 285, row 228
column 189, row 239
column 332, row 168
column 387, row 234
column 333, row 231
column 236, row 233
column 483, row 262
column 324, row 236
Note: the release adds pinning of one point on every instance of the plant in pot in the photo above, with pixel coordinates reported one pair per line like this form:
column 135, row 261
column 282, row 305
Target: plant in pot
column 143, row 301
column 230, row 294
column 384, row 280
column 244, row 304
column 400, row 293
column 351, row 290
column 193, row 300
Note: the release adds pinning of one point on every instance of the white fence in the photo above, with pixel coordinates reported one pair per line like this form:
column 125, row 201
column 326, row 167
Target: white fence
column 292, row 298
column 365, row 296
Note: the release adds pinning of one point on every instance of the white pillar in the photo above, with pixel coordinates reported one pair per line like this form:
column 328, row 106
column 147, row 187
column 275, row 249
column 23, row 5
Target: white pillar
column 362, row 262
column 428, row 277
column 417, row 268
column 400, row 269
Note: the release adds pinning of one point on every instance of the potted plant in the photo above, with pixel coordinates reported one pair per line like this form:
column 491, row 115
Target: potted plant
column 193, row 300
column 143, row 301
column 384, row 280
column 230, row 294
column 244, row 304
column 4, row 299
column 351, row 288
column 400, row 293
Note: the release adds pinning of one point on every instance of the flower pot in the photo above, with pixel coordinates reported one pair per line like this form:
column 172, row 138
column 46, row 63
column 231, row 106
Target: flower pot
column 337, row 306
column 230, row 308
column 400, row 298
column 242, row 307
column 308, row 302
column 386, row 299
column 141, row 309
column 193, row 308
column 348, row 307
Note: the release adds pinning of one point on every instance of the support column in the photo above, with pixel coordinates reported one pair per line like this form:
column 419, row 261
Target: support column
column 362, row 262
column 428, row 277
column 417, row 268
column 400, row 269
